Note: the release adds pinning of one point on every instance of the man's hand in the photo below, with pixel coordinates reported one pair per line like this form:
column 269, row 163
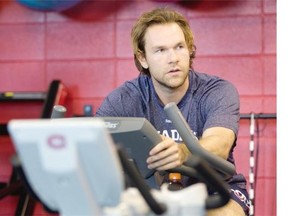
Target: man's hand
column 167, row 155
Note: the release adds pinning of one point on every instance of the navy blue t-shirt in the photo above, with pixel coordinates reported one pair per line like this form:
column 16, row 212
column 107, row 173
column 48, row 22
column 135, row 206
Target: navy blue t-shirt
column 209, row 102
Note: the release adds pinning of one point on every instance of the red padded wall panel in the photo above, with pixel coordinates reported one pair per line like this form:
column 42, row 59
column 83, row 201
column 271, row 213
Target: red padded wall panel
column 89, row 49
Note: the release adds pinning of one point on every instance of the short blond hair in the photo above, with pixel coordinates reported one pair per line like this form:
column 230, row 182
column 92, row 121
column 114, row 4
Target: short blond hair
column 159, row 16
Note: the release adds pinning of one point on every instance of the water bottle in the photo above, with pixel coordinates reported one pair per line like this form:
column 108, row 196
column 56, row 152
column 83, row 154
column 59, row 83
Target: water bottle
column 175, row 182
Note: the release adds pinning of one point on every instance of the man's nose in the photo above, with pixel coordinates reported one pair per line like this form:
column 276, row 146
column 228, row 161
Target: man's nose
column 173, row 57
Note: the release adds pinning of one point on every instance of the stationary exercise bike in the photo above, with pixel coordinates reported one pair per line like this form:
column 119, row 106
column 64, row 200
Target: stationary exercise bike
column 73, row 166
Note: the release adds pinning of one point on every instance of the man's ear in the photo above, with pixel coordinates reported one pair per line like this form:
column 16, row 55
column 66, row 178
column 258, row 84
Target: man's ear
column 141, row 58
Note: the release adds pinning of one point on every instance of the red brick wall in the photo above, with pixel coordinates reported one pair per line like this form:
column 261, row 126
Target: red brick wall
column 88, row 48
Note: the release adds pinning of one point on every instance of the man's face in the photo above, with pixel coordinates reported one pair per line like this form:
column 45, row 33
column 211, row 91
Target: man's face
column 167, row 55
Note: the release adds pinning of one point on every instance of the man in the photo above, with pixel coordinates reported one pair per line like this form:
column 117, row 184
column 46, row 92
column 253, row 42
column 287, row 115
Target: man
column 164, row 50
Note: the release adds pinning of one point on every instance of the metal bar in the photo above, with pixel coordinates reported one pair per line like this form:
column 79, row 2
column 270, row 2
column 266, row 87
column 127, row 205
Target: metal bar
column 259, row 116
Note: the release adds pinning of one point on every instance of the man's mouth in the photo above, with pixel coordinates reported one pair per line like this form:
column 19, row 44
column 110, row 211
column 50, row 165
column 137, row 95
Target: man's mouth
column 174, row 71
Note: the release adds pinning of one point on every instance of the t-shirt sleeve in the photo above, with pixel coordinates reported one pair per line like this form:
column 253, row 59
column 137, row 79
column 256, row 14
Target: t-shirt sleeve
column 106, row 109
column 112, row 105
column 121, row 102
column 222, row 106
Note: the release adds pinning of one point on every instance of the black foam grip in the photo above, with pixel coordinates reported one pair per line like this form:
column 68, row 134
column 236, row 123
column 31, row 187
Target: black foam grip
column 213, row 180
column 58, row 111
column 134, row 174
column 224, row 167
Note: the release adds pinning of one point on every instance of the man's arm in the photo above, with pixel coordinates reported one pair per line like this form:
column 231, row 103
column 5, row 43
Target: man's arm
column 218, row 140
column 168, row 154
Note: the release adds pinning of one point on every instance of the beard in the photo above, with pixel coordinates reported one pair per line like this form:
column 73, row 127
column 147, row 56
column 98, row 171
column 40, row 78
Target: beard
column 170, row 83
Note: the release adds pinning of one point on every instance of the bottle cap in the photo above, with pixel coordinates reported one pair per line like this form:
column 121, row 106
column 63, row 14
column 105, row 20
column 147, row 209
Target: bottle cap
column 174, row 176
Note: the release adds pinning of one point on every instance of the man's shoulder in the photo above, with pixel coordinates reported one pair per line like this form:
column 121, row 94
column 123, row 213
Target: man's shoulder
column 206, row 79
column 129, row 86
column 134, row 89
column 125, row 100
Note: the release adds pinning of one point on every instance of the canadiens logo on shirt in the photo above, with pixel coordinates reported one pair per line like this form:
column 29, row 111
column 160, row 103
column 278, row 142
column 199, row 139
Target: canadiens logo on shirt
column 173, row 134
